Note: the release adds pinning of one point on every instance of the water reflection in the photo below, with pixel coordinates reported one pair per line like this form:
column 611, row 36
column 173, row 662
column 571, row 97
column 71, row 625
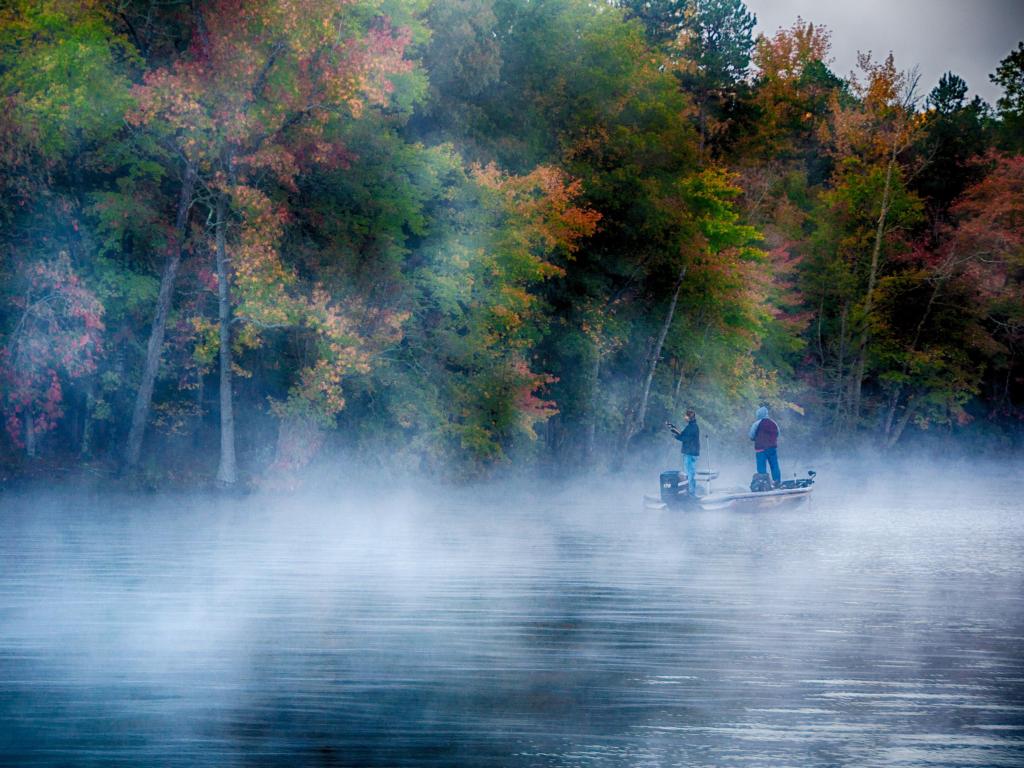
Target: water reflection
column 566, row 632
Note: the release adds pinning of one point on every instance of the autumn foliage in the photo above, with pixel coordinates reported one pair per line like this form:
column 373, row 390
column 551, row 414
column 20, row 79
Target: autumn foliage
column 55, row 339
column 458, row 238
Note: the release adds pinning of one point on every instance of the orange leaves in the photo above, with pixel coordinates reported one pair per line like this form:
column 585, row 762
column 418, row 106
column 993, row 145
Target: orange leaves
column 885, row 86
column 543, row 206
column 793, row 86
column 276, row 159
column 985, row 244
column 344, row 349
column 883, row 122
column 490, row 315
column 785, row 56
column 537, row 219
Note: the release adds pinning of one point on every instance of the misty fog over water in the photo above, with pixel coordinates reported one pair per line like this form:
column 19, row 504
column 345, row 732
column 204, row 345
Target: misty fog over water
column 882, row 623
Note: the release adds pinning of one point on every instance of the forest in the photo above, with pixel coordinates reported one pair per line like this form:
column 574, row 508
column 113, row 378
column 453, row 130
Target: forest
column 461, row 237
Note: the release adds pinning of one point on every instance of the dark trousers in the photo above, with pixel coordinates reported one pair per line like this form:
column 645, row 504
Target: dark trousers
column 769, row 456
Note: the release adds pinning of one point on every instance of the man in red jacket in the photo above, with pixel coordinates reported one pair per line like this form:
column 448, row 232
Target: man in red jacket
column 765, row 434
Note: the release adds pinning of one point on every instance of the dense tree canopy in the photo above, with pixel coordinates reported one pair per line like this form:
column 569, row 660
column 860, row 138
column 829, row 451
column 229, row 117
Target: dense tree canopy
column 470, row 234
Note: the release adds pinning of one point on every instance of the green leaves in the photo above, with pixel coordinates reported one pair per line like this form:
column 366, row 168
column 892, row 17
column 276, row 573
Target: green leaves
column 66, row 72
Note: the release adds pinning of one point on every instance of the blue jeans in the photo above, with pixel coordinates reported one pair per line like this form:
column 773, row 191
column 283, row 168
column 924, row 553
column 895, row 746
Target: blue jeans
column 769, row 456
column 690, row 467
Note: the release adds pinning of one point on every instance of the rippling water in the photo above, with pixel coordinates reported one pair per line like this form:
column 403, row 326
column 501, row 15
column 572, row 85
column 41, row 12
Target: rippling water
column 861, row 629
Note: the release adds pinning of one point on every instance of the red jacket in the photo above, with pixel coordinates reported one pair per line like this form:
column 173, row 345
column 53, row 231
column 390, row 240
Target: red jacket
column 766, row 435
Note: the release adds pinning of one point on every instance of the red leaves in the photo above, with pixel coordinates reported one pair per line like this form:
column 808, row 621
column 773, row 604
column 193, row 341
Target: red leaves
column 57, row 335
column 991, row 213
column 530, row 404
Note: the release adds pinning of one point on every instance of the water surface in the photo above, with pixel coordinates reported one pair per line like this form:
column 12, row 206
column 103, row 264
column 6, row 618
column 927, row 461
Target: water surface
column 876, row 625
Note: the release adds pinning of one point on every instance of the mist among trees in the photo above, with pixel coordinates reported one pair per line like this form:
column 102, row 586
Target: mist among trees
column 459, row 236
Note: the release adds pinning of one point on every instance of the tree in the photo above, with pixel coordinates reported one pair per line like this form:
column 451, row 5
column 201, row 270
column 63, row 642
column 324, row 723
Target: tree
column 55, row 338
column 715, row 47
column 990, row 227
column 792, row 94
column 716, row 232
column 943, row 318
column 1009, row 76
column 953, row 134
column 663, row 20
column 260, row 85
column 64, row 86
column 869, row 138
column 175, row 248
column 477, row 318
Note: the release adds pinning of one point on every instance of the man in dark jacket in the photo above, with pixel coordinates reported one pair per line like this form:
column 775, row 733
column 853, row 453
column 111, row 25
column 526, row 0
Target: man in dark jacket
column 765, row 434
column 689, row 436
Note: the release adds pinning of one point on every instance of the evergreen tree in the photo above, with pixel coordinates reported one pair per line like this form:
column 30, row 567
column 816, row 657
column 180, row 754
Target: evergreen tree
column 1009, row 76
column 716, row 47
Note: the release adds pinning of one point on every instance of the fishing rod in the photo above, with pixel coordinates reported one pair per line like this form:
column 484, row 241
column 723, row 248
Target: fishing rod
column 707, row 453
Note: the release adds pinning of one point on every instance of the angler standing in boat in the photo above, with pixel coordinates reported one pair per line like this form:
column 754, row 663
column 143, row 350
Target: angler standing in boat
column 765, row 434
column 689, row 436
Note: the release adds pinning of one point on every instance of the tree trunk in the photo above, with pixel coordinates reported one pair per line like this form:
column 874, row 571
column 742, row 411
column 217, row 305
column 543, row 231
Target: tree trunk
column 30, row 435
column 85, row 446
column 636, row 423
column 144, row 396
column 908, row 411
column 226, row 472
column 876, row 251
column 906, row 367
column 591, row 429
column 890, row 414
column 839, row 412
column 701, row 129
column 678, row 388
column 197, row 427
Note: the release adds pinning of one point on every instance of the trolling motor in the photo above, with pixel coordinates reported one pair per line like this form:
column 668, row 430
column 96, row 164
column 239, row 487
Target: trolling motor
column 803, row 482
column 762, row 482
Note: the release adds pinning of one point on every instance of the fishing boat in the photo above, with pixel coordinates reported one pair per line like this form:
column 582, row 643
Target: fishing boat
column 674, row 493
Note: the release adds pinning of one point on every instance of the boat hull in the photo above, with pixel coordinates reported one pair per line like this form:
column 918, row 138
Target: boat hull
column 754, row 499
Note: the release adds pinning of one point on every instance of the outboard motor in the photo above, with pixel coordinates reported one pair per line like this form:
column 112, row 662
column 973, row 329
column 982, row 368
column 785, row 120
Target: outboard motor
column 760, row 482
column 670, row 486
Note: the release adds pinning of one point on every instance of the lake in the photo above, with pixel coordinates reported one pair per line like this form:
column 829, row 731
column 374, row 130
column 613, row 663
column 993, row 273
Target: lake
column 879, row 624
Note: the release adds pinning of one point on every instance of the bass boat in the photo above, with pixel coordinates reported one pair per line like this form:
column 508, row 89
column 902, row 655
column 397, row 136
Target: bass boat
column 761, row 493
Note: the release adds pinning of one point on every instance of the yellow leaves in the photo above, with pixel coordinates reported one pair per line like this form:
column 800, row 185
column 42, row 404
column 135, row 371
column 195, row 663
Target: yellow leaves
column 784, row 56
column 239, row 371
column 207, row 341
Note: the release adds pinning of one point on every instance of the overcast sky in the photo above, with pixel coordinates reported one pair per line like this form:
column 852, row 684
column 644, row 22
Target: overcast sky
column 969, row 37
